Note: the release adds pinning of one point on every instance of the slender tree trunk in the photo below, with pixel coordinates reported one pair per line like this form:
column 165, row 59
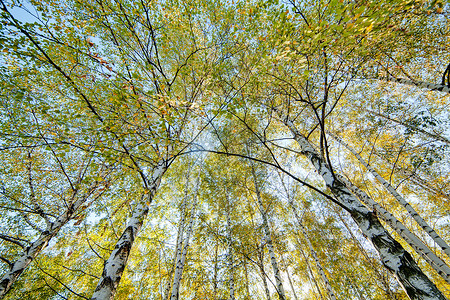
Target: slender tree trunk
column 429, row 256
column 161, row 295
column 180, row 234
column 310, row 272
column 328, row 286
column 116, row 263
column 247, row 289
column 412, row 212
column 230, row 252
column 216, row 250
column 30, row 252
column 416, row 284
column 263, row 272
column 181, row 262
column 268, row 240
column 291, row 284
column 420, row 84
column 176, row 256
column 387, row 288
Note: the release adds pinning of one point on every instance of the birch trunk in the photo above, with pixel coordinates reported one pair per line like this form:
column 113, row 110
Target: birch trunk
column 420, row 84
column 116, row 263
column 263, row 273
column 412, row 212
column 328, row 286
column 230, row 252
column 268, row 239
column 432, row 259
column 415, row 283
column 247, row 289
column 180, row 234
column 291, row 284
column 175, row 259
column 216, row 250
column 387, row 288
column 311, row 276
column 30, row 252
column 181, row 262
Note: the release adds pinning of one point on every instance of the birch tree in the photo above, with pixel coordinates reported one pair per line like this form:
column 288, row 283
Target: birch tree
column 183, row 244
column 401, row 200
column 137, row 86
column 313, row 253
column 396, row 258
column 74, row 201
column 268, row 238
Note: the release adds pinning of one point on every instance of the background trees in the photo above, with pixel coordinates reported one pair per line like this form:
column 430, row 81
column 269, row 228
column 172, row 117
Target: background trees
column 107, row 105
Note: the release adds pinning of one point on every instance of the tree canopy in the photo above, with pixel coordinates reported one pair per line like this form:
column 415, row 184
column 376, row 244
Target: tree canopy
column 224, row 149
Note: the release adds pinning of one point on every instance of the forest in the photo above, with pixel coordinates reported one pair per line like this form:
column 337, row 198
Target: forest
column 225, row 149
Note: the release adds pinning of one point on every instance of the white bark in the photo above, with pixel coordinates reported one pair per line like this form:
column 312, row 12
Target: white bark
column 177, row 254
column 263, row 273
column 416, row 284
column 377, row 271
column 247, row 288
column 412, row 212
column 230, row 252
column 180, row 234
column 268, row 240
column 291, row 284
column 116, row 263
column 328, row 286
column 182, row 259
column 215, row 270
column 433, row 260
column 30, row 252
column 312, row 278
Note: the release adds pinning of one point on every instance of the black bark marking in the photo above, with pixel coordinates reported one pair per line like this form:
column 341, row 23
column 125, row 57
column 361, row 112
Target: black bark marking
column 446, row 73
